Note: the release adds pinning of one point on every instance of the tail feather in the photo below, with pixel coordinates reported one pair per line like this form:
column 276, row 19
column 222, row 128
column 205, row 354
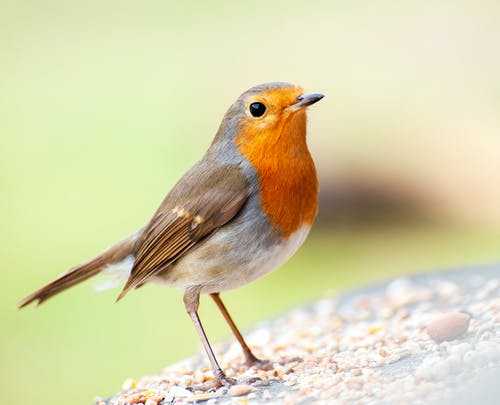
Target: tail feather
column 82, row 272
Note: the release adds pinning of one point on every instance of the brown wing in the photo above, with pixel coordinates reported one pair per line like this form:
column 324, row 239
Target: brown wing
column 200, row 203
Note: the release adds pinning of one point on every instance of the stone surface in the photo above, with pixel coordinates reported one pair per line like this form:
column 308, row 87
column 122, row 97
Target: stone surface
column 369, row 346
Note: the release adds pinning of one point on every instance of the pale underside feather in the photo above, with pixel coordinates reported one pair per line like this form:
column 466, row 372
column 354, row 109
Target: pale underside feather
column 115, row 274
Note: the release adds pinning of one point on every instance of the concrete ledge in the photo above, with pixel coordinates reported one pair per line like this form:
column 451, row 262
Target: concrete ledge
column 432, row 338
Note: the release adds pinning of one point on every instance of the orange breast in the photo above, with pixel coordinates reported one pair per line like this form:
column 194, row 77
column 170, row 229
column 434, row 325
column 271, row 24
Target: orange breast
column 287, row 176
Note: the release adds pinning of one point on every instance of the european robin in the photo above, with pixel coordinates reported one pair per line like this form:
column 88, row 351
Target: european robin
column 240, row 212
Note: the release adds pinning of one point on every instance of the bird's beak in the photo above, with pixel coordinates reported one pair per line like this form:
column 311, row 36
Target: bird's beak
column 305, row 101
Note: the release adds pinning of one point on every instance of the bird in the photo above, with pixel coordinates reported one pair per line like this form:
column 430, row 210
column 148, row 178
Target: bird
column 238, row 213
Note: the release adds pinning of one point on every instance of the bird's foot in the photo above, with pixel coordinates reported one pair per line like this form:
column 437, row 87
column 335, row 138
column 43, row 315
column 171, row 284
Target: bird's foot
column 251, row 360
column 220, row 380
column 224, row 380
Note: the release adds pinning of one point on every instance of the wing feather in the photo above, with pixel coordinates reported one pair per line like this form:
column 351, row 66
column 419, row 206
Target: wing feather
column 212, row 200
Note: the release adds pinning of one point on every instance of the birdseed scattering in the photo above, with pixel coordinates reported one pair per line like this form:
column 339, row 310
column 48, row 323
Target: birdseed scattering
column 371, row 346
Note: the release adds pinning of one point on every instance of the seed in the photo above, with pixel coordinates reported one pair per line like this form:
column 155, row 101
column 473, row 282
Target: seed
column 356, row 372
column 448, row 326
column 238, row 390
column 128, row 384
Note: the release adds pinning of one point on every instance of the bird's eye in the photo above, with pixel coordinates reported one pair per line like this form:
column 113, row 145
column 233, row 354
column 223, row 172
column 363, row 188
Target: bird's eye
column 257, row 109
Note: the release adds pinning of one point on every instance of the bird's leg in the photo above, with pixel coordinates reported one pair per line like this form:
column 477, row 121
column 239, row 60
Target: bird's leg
column 250, row 358
column 192, row 302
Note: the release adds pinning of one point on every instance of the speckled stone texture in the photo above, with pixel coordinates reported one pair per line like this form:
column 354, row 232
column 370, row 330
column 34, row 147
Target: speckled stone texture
column 432, row 338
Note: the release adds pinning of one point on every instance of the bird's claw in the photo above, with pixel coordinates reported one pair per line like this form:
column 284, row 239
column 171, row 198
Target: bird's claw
column 226, row 381
column 252, row 361
column 217, row 382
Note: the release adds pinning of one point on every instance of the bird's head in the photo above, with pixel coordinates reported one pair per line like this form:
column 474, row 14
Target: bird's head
column 268, row 117
column 272, row 120
column 272, row 110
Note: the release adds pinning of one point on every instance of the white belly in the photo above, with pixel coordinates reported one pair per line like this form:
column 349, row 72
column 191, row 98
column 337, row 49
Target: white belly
column 220, row 271
column 264, row 263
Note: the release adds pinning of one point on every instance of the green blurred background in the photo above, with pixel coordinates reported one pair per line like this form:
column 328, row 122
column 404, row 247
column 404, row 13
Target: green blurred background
column 105, row 104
